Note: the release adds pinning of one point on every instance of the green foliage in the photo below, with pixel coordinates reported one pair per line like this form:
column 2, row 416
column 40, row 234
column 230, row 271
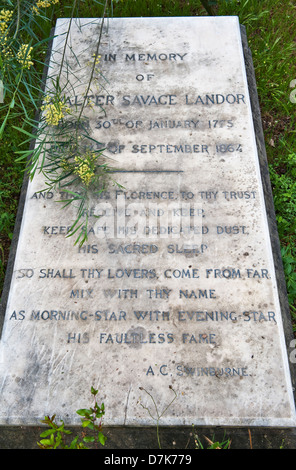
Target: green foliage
column 91, row 419
column 284, row 189
column 65, row 158
column 289, row 262
column 248, row 11
column 123, row 8
column 54, row 437
column 19, row 74
column 212, row 444
column 224, row 444
column 283, row 179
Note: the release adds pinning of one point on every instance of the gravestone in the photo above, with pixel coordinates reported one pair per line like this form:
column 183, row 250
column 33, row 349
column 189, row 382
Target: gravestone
column 174, row 295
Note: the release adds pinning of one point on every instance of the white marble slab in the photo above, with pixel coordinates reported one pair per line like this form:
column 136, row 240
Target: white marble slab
column 187, row 298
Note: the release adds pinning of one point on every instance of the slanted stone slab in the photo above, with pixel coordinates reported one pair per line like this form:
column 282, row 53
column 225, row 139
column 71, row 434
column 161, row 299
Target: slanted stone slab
column 175, row 291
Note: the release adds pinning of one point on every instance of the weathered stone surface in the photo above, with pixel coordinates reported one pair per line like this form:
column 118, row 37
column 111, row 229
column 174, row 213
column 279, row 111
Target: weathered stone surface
column 176, row 286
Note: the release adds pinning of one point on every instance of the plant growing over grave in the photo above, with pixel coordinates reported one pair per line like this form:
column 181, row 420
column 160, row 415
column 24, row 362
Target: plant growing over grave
column 69, row 161
column 91, row 418
column 225, row 444
column 159, row 415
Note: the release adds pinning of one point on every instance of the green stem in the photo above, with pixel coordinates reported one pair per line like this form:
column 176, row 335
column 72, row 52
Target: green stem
column 18, row 18
column 66, row 41
column 159, row 416
column 157, row 433
column 94, row 63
